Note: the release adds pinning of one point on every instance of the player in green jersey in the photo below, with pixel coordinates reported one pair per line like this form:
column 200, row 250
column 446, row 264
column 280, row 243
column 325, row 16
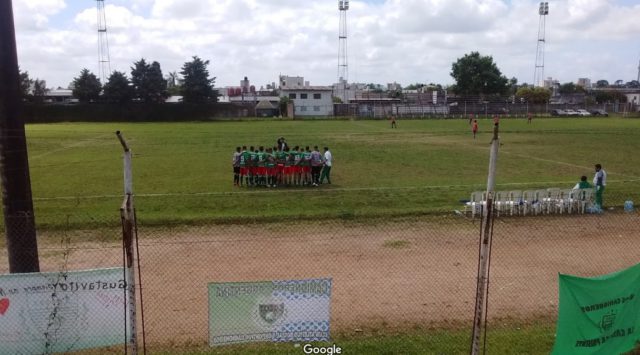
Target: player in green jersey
column 244, row 171
column 253, row 159
column 262, row 170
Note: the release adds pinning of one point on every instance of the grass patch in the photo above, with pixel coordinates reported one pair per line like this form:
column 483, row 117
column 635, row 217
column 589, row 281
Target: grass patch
column 536, row 338
column 182, row 171
column 396, row 244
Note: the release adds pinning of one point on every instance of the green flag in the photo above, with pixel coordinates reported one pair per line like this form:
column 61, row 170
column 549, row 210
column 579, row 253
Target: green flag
column 599, row 315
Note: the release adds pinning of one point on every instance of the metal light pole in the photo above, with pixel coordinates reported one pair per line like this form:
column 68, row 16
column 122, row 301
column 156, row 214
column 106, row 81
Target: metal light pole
column 19, row 220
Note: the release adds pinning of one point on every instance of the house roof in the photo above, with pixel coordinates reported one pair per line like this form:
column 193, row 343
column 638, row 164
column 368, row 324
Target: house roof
column 307, row 88
column 264, row 105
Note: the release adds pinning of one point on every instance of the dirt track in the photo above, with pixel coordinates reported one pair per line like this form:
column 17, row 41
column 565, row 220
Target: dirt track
column 379, row 278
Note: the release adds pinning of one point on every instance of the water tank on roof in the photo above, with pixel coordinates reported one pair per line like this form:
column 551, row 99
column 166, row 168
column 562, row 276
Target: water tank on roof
column 230, row 91
column 238, row 91
column 252, row 89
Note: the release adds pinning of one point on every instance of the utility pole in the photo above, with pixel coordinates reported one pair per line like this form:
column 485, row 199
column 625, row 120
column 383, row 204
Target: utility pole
column 19, row 222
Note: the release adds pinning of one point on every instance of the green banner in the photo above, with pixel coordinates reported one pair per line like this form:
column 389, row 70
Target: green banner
column 599, row 315
column 279, row 311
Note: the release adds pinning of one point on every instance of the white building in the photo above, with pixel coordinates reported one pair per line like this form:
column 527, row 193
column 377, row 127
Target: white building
column 584, row 82
column 310, row 100
column 292, row 81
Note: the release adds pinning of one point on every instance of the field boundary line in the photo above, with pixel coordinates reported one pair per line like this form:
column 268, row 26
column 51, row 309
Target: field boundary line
column 73, row 145
column 309, row 190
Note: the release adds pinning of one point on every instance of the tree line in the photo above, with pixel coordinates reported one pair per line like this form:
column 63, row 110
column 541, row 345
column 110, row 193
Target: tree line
column 474, row 75
column 147, row 84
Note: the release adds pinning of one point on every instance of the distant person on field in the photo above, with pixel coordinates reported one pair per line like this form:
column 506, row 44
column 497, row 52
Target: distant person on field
column 393, row 122
column 316, row 165
column 236, row 166
column 599, row 181
column 470, row 118
column 529, row 118
column 326, row 170
column 583, row 184
column 474, row 128
column 496, row 120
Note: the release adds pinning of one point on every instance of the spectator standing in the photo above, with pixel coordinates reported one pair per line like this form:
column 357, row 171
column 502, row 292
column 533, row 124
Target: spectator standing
column 393, row 122
column 326, row 170
column 599, row 181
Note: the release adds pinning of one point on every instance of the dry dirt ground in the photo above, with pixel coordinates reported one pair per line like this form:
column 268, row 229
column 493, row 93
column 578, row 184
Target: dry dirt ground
column 394, row 274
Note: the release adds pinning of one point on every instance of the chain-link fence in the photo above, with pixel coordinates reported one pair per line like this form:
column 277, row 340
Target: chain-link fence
column 390, row 271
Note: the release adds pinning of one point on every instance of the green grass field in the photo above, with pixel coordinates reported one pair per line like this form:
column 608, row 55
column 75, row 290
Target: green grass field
column 514, row 338
column 182, row 171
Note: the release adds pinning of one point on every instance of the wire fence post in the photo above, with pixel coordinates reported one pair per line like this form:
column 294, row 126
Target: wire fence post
column 486, row 234
column 128, row 226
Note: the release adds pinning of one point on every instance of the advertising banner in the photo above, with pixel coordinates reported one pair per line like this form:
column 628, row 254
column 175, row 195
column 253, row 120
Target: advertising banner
column 43, row 313
column 277, row 311
column 599, row 315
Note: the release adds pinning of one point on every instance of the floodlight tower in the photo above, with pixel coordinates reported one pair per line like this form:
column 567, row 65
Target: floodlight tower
column 538, row 75
column 343, row 59
column 104, row 64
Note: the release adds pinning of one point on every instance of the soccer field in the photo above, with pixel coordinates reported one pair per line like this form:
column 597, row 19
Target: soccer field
column 182, row 171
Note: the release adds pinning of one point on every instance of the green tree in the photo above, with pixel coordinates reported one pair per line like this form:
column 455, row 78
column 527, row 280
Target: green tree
column 173, row 84
column 196, row 85
column 148, row 83
column 415, row 86
column 375, row 88
column 284, row 102
column 86, row 87
column 602, row 84
column 25, row 83
column 532, row 95
column 513, row 85
column 571, row 88
column 39, row 90
column 478, row 75
column 118, row 89
column 610, row 96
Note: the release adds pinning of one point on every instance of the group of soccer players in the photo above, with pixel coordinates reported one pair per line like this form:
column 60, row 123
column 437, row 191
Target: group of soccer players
column 277, row 166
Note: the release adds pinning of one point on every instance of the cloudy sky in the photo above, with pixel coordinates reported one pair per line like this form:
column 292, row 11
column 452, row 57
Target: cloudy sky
column 405, row 41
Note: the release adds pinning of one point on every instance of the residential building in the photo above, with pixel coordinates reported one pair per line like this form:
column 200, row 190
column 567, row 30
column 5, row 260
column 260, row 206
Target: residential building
column 585, row 83
column 310, row 100
column 291, row 81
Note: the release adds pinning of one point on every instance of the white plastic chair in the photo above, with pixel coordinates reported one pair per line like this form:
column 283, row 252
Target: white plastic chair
column 516, row 201
column 551, row 200
column 529, row 197
column 476, row 202
column 500, row 202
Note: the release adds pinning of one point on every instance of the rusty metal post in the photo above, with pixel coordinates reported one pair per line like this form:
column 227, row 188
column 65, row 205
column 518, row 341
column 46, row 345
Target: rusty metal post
column 128, row 227
column 484, row 261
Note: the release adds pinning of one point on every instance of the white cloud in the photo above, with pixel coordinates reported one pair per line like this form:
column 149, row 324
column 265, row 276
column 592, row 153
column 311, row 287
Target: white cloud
column 395, row 40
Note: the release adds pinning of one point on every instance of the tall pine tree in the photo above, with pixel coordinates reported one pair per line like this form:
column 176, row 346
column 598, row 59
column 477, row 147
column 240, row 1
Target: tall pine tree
column 197, row 86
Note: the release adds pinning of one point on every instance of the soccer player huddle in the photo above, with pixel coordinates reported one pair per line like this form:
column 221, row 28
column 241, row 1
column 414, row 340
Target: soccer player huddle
column 280, row 166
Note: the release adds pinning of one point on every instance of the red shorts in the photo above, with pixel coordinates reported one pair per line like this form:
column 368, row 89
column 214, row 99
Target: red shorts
column 271, row 171
column 244, row 170
column 252, row 170
column 262, row 170
column 306, row 169
column 297, row 169
column 288, row 170
column 280, row 168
